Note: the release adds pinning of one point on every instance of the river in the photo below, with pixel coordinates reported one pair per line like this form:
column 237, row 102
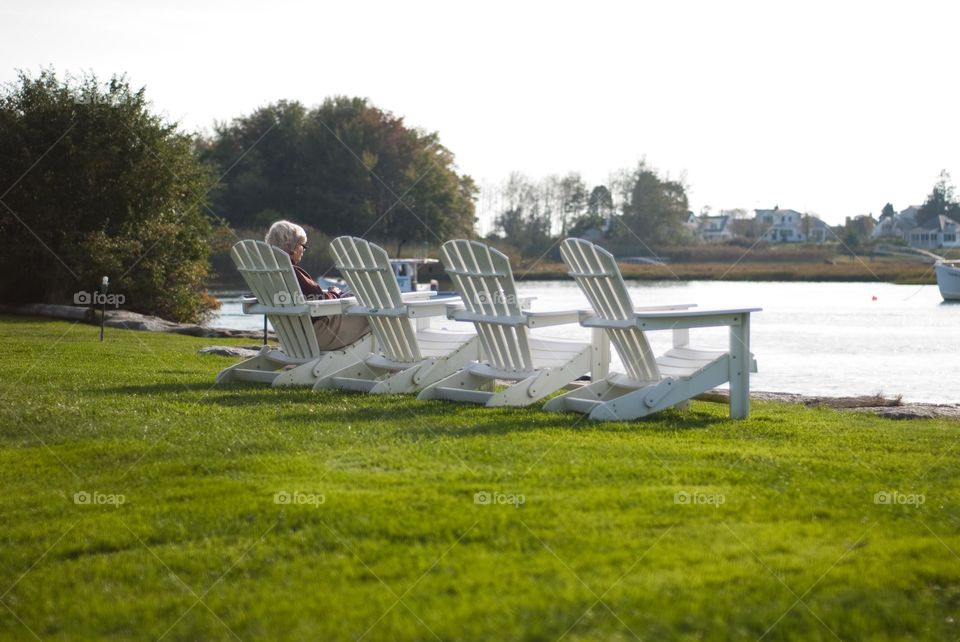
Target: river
column 834, row 339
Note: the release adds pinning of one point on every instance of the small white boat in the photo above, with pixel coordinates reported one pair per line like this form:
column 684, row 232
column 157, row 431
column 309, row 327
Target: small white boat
column 948, row 279
column 413, row 275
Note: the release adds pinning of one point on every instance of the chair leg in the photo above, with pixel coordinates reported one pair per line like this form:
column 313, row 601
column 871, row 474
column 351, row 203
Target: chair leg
column 302, row 375
column 593, row 392
column 543, row 384
column 460, row 386
column 309, row 373
column 262, row 362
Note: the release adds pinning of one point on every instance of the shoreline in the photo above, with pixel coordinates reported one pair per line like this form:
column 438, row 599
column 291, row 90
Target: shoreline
column 895, row 272
column 889, row 407
column 126, row 320
column 892, row 408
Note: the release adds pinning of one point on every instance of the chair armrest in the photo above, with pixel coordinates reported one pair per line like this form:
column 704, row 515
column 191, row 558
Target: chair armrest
column 529, row 319
column 586, row 315
column 348, row 306
column 419, row 295
column 663, row 308
column 461, row 314
column 676, row 320
column 326, row 308
column 546, row 319
column 429, row 308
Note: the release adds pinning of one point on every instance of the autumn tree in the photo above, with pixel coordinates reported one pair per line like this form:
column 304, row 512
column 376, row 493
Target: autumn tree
column 345, row 167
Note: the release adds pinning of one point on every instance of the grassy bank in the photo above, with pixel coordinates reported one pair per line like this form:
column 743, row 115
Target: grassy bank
column 694, row 262
column 140, row 502
column 836, row 269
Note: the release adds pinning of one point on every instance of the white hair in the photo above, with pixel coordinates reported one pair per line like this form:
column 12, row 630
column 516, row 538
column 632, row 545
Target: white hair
column 286, row 235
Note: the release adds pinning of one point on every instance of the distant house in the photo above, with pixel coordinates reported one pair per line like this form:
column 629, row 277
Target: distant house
column 715, row 228
column 790, row 226
column 816, row 230
column 941, row 232
column 897, row 226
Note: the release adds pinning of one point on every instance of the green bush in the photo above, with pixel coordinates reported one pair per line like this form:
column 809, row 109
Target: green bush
column 97, row 185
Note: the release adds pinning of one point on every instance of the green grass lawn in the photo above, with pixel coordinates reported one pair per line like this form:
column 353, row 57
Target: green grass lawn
column 140, row 502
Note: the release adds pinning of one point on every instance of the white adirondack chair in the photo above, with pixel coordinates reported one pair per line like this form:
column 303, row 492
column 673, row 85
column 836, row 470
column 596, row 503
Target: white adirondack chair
column 538, row 367
column 269, row 274
column 409, row 355
column 651, row 384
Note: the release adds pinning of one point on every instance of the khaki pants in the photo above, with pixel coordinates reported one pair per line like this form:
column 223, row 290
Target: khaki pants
column 336, row 332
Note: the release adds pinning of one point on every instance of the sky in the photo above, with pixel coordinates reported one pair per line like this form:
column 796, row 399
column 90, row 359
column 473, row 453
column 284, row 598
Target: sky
column 831, row 108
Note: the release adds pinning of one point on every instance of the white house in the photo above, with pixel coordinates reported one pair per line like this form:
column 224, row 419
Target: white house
column 897, row 226
column 941, row 232
column 716, row 228
column 790, row 226
column 816, row 230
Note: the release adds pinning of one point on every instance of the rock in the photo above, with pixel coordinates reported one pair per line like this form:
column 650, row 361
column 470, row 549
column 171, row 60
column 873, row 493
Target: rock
column 69, row 312
column 127, row 320
column 229, row 351
column 875, row 404
column 915, row 411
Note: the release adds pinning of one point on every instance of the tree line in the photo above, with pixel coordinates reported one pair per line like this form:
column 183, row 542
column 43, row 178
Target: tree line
column 637, row 209
column 101, row 185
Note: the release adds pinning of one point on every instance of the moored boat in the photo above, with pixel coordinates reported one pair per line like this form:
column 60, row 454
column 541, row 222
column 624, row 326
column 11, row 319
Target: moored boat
column 948, row 279
column 413, row 275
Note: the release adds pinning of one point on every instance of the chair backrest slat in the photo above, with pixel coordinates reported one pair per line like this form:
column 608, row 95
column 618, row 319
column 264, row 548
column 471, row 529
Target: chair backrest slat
column 596, row 272
column 483, row 277
column 366, row 268
column 268, row 272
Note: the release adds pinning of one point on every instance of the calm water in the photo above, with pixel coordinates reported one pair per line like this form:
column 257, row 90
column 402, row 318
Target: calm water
column 810, row 338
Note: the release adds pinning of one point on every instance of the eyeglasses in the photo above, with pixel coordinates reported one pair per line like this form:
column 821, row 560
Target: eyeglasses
column 304, row 246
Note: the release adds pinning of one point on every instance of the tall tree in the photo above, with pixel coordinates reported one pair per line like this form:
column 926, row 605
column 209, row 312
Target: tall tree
column 573, row 200
column 99, row 185
column 346, row 167
column 941, row 201
column 525, row 221
column 596, row 214
column 887, row 211
column 653, row 210
column 600, row 203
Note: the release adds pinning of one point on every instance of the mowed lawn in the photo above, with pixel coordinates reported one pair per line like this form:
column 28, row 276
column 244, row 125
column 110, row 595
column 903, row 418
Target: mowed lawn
column 139, row 502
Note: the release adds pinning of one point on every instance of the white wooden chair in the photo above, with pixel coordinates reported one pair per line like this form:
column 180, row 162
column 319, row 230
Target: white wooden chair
column 538, row 367
column 651, row 384
column 269, row 274
column 408, row 354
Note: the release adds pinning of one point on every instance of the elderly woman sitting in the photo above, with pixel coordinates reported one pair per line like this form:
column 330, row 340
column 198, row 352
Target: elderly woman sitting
column 333, row 332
